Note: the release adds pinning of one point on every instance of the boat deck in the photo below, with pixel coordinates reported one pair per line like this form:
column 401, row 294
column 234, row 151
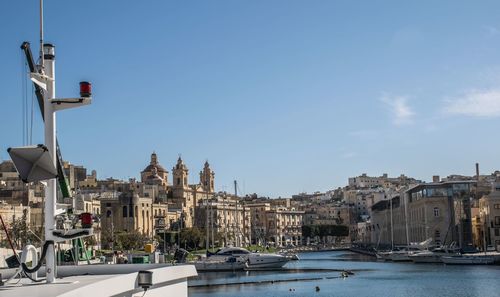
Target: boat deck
column 105, row 280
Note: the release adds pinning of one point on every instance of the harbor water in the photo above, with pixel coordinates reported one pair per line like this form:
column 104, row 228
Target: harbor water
column 317, row 274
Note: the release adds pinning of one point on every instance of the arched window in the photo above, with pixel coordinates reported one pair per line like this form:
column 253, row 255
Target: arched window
column 124, row 211
column 108, row 213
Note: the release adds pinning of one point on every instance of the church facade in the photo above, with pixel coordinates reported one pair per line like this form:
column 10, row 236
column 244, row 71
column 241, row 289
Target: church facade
column 181, row 196
column 157, row 201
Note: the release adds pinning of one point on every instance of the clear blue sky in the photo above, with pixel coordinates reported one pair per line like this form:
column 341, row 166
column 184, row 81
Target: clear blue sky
column 284, row 96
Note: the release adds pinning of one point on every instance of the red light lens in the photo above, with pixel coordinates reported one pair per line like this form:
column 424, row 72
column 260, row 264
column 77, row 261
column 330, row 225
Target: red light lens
column 85, row 89
column 86, row 218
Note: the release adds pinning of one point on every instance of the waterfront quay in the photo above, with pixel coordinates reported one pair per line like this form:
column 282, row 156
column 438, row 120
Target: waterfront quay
column 318, row 274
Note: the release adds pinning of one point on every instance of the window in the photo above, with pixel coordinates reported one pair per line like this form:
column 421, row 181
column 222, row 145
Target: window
column 497, row 221
column 108, row 213
column 497, row 231
column 496, row 206
column 436, row 212
column 437, row 234
column 124, row 211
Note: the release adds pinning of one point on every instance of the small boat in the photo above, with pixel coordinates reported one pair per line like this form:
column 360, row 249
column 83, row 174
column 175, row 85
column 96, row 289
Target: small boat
column 468, row 259
column 227, row 264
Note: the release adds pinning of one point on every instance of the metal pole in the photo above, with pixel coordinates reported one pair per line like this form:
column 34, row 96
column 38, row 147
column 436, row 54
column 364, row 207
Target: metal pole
column 406, row 219
column 207, row 244
column 164, row 242
column 225, row 219
column 212, row 224
column 41, row 35
column 392, row 230
column 50, row 143
column 236, row 227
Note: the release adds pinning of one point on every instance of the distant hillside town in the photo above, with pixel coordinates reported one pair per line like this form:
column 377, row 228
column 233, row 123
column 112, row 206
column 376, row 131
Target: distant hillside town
column 370, row 211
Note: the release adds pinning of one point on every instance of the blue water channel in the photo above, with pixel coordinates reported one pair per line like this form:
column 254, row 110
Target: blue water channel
column 371, row 278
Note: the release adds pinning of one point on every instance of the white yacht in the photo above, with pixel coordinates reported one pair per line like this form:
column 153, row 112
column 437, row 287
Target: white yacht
column 429, row 256
column 399, row 256
column 434, row 255
column 254, row 261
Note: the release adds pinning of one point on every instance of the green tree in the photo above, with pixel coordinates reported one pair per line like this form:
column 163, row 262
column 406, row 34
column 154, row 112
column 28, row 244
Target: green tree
column 134, row 240
column 192, row 238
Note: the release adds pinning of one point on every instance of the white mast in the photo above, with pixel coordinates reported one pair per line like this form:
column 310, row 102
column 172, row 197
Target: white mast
column 50, row 143
column 47, row 53
column 392, row 228
column 43, row 167
column 405, row 195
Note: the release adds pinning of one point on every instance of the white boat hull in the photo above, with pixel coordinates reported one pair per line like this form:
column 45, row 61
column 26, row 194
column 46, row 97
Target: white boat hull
column 257, row 264
column 468, row 260
column 399, row 257
column 426, row 258
column 214, row 265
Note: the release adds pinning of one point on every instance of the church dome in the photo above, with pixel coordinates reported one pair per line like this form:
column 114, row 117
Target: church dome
column 150, row 167
column 154, row 163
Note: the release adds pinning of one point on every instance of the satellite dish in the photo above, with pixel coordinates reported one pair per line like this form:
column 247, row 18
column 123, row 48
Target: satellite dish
column 33, row 163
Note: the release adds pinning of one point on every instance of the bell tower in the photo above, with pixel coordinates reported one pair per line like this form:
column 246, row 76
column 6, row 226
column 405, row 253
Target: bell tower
column 180, row 173
column 207, row 177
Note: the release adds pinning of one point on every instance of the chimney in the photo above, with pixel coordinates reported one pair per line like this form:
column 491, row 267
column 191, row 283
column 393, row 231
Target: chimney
column 477, row 171
column 435, row 178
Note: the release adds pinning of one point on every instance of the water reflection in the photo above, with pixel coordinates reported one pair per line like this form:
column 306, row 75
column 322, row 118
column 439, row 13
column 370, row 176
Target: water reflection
column 371, row 279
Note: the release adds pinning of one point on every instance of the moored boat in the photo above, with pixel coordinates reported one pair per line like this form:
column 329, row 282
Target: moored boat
column 227, row 264
column 468, row 259
column 399, row 256
column 427, row 257
column 254, row 261
column 434, row 255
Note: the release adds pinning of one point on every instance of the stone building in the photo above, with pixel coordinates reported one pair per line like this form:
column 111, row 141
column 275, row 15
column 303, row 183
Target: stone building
column 243, row 222
column 227, row 216
column 438, row 210
column 185, row 196
column 284, row 226
column 365, row 181
column 488, row 220
column 131, row 212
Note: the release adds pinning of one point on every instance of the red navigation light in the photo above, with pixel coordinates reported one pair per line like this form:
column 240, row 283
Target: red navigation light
column 85, row 89
column 86, row 218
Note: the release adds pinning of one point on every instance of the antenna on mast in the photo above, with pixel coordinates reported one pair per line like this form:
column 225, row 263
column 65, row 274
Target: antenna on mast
column 41, row 35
